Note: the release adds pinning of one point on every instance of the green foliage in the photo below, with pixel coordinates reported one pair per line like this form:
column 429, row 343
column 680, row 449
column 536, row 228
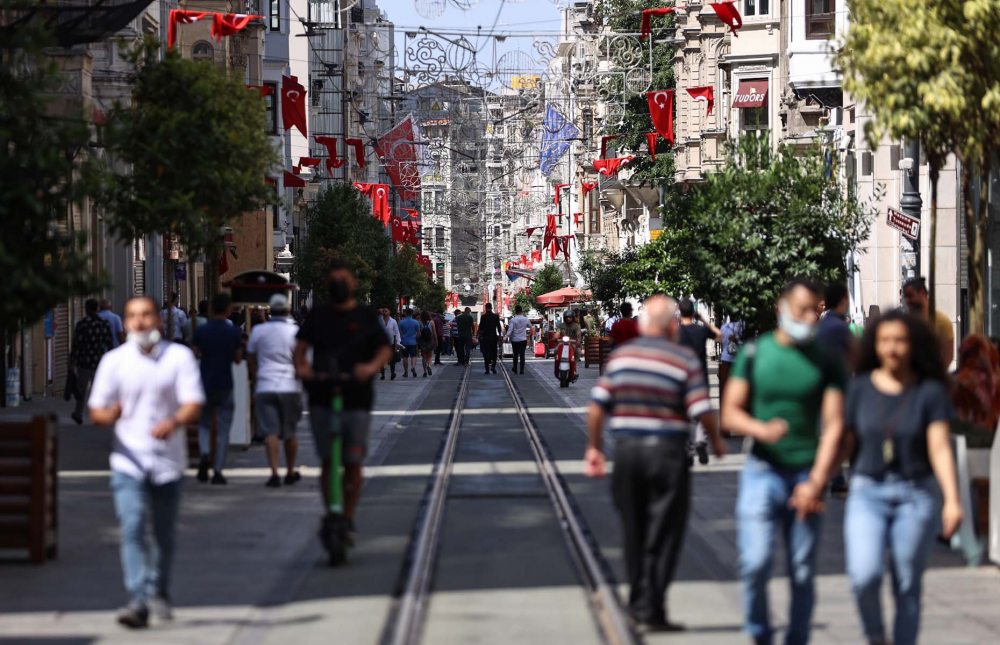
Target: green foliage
column 46, row 170
column 195, row 141
column 547, row 280
column 409, row 277
column 433, row 295
column 625, row 16
column 737, row 238
column 602, row 271
column 928, row 69
column 340, row 226
column 523, row 300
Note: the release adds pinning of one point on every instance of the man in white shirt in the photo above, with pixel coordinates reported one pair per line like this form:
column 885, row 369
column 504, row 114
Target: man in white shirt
column 278, row 392
column 150, row 390
column 175, row 326
column 517, row 334
column 391, row 328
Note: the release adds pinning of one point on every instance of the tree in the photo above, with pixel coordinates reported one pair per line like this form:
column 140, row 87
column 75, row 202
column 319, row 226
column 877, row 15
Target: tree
column 47, row 173
column 523, row 300
column 340, row 226
column 625, row 16
column 409, row 277
column 602, row 271
column 547, row 280
column 433, row 295
column 928, row 69
column 195, row 143
column 735, row 239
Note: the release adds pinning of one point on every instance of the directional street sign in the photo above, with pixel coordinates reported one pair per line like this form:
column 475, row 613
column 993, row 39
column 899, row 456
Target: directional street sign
column 908, row 226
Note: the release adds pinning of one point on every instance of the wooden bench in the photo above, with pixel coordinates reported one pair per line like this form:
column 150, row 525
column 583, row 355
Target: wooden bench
column 29, row 504
column 605, row 352
column 592, row 351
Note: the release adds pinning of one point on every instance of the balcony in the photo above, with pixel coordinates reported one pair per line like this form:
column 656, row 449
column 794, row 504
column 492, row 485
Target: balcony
column 75, row 22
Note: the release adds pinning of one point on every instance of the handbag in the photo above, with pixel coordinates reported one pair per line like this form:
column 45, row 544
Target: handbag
column 71, row 389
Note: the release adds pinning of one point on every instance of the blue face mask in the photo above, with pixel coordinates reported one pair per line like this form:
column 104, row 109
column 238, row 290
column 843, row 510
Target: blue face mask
column 800, row 332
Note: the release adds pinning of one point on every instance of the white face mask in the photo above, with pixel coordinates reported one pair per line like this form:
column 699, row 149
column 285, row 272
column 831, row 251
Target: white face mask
column 145, row 339
column 800, row 332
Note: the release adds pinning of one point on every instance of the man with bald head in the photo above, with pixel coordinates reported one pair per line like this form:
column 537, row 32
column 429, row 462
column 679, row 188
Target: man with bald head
column 650, row 390
column 113, row 319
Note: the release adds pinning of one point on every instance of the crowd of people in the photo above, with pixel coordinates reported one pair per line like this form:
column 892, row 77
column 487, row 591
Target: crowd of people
column 808, row 397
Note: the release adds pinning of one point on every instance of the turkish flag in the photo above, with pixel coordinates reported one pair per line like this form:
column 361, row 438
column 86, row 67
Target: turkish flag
column 554, row 249
column 729, row 14
column 524, row 259
column 333, row 162
column 587, row 187
column 705, row 94
column 379, row 194
column 265, row 90
column 651, row 143
column 223, row 263
column 610, row 167
column 576, row 218
column 565, row 245
column 532, row 230
column 398, row 152
column 293, row 104
column 536, row 255
column 661, row 110
column 359, row 150
column 550, row 230
column 397, row 231
column 413, row 213
column 558, row 188
column 229, row 24
column 181, row 17
column 647, row 14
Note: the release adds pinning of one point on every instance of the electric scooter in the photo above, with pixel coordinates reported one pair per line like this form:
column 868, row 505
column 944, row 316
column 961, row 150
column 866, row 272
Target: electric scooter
column 334, row 533
column 565, row 364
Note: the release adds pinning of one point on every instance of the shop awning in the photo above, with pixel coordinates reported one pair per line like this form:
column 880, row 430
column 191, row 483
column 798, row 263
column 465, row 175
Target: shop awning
column 564, row 296
column 751, row 94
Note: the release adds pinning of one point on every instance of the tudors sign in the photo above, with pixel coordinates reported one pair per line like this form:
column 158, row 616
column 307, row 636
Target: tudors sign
column 908, row 226
column 751, row 94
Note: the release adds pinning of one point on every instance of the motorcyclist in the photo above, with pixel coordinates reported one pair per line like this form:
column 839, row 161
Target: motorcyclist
column 570, row 327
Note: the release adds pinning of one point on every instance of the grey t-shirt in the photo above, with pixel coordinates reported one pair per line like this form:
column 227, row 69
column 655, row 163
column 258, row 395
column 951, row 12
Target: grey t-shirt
column 869, row 413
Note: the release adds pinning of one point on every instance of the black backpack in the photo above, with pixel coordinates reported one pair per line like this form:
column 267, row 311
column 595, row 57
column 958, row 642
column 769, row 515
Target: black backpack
column 425, row 333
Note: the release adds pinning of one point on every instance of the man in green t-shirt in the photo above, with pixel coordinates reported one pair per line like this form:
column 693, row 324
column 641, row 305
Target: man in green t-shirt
column 786, row 395
column 464, row 323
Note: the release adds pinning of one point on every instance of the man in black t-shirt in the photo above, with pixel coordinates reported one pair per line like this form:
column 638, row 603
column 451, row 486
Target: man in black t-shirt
column 490, row 331
column 694, row 333
column 347, row 342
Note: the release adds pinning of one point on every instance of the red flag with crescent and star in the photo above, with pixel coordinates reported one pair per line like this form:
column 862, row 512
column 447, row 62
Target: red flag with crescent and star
column 359, row 150
column 729, row 14
column 651, row 144
column 610, row 167
column 661, row 110
column 181, row 17
column 588, row 186
column 293, row 104
column 550, row 230
column 647, row 14
column 229, row 24
column 379, row 194
column 559, row 187
column 704, row 94
column 333, row 162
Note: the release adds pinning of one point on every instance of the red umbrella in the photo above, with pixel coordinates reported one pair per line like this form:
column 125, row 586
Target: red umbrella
column 564, row 296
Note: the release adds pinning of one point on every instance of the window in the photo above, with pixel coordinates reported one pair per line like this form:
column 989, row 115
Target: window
column 439, row 237
column 819, row 19
column 202, row 51
column 317, row 91
column 754, row 118
column 271, row 108
column 274, row 23
column 756, row 7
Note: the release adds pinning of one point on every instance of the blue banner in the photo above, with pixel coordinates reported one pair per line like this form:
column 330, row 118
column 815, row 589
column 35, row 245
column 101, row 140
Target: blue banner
column 557, row 136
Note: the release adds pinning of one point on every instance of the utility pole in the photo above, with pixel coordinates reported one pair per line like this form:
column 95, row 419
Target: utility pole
column 911, row 204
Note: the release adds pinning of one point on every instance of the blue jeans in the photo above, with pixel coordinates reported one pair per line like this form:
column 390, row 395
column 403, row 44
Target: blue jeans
column 900, row 514
column 220, row 401
column 761, row 512
column 147, row 572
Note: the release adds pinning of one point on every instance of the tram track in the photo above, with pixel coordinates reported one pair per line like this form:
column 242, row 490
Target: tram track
column 407, row 622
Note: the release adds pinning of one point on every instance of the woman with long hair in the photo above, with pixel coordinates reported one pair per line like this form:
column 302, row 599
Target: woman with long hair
column 426, row 341
column 976, row 386
column 896, row 419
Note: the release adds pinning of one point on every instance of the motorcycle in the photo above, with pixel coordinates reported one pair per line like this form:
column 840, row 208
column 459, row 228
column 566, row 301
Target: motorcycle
column 565, row 364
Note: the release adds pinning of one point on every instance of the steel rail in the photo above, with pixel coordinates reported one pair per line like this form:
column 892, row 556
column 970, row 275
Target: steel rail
column 610, row 614
column 407, row 624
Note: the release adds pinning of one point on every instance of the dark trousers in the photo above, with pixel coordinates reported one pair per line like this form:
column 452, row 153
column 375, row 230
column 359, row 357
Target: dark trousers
column 489, row 348
column 463, row 347
column 518, row 347
column 437, row 350
column 651, row 489
column 391, row 364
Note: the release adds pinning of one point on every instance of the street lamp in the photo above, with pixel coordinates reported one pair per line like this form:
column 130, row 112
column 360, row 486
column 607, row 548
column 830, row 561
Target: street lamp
column 911, row 204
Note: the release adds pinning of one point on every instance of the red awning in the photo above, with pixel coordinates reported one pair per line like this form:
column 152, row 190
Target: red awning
column 564, row 296
column 751, row 94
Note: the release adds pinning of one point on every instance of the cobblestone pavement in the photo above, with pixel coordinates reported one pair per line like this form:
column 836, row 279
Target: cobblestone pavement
column 249, row 570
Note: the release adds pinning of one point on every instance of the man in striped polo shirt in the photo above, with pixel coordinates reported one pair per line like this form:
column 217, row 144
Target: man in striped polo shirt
column 651, row 389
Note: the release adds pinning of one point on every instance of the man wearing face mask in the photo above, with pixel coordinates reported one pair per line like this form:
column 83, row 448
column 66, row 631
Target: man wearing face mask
column 149, row 389
column 781, row 389
column 347, row 338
